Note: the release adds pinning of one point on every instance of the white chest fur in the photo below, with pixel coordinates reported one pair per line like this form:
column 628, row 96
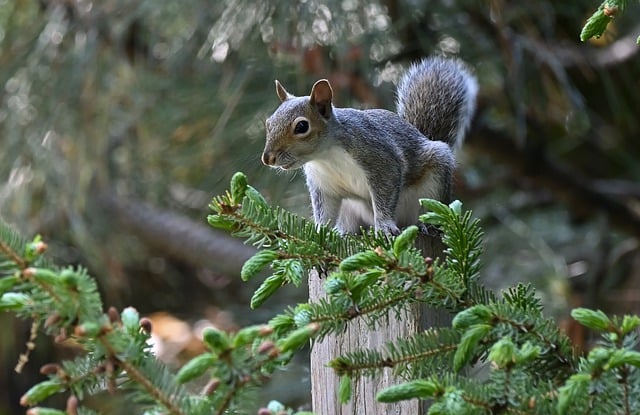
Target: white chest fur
column 336, row 172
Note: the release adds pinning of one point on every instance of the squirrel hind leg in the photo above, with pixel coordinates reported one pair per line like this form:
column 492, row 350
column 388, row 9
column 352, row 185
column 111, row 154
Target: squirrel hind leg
column 354, row 214
column 409, row 208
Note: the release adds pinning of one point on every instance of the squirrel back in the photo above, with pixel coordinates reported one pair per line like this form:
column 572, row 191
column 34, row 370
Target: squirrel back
column 438, row 96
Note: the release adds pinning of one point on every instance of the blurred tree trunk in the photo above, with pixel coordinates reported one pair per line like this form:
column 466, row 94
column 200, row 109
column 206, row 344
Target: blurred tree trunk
column 357, row 336
column 177, row 236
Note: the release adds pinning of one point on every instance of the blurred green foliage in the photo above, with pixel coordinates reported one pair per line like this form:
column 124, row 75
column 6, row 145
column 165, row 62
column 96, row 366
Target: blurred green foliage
column 160, row 102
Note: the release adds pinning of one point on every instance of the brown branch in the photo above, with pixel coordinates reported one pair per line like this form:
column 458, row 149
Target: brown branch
column 138, row 377
column 178, row 236
column 13, row 256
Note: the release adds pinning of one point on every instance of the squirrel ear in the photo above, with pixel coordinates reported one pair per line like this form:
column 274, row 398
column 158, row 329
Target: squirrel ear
column 321, row 96
column 282, row 93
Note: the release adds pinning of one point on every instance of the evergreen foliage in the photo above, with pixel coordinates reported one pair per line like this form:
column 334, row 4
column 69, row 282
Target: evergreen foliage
column 528, row 364
column 114, row 350
column 597, row 24
column 531, row 364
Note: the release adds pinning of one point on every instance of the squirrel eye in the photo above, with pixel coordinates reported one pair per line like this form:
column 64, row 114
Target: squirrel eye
column 301, row 127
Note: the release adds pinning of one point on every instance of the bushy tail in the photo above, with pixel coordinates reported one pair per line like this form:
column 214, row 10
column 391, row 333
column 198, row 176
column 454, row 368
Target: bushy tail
column 438, row 96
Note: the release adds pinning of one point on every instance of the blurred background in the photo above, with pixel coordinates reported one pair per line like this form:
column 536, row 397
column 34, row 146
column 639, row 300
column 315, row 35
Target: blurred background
column 119, row 120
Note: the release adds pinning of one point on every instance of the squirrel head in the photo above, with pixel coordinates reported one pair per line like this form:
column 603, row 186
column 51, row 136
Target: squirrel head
column 295, row 130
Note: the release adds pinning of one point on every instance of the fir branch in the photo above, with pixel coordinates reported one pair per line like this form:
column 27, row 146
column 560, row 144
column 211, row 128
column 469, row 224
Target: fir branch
column 244, row 212
column 428, row 352
column 533, row 366
column 139, row 378
column 12, row 255
column 333, row 316
column 624, row 381
column 361, row 362
column 268, row 227
column 597, row 23
column 421, row 350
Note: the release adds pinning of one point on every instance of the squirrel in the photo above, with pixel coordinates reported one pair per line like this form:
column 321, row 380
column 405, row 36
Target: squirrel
column 370, row 167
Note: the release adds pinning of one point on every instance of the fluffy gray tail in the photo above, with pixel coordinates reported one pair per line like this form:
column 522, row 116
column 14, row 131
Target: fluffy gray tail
column 438, row 96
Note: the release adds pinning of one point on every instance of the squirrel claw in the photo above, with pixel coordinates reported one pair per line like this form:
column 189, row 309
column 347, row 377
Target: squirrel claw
column 388, row 228
column 429, row 230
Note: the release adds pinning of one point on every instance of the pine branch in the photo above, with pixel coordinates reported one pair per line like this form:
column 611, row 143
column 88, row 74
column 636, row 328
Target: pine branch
column 136, row 375
column 67, row 304
column 597, row 24
column 12, row 256
column 532, row 366
column 379, row 275
column 426, row 352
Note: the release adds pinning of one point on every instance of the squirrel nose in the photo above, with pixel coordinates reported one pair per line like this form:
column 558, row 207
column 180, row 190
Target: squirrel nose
column 269, row 158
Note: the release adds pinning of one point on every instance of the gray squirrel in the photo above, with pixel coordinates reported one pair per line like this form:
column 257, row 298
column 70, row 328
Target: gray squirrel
column 370, row 167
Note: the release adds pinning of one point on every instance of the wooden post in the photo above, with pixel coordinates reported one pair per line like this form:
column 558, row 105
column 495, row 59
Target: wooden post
column 324, row 382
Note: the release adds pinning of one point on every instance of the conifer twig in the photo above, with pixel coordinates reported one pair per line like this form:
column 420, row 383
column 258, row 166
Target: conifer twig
column 13, row 256
column 141, row 379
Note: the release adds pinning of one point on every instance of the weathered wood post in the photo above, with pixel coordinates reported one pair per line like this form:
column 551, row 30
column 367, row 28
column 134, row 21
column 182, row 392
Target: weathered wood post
column 324, row 382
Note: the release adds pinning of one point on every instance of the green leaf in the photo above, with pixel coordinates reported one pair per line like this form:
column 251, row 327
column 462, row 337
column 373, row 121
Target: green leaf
column 89, row 329
column 528, row 352
column 503, row 353
column 452, row 402
column 238, row 187
column 629, row 323
column 596, row 320
column 255, row 264
column 624, row 357
column 44, row 275
column 13, row 301
column 130, row 319
column 599, row 356
column 248, row 334
column 298, row 337
column 596, row 25
column 344, row 389
column 468, row 343
column 335, row 284
column 69, row 277
column 574, row 389
column 405, row 240
column 34, row 249
column 196, row 367
column 362, row 282
column 40, row 391
column 456, row 207
column 252, row 194
column 437, row 212
column 266, row 290
column 8, row 283
column 292, row 270
column 434, row 205
column 420, row 389
column 478, row 314
column 219, row 222
column 38, row 410
column 217, row 340
column 302, row 315
column 276, row 407
column 362, row 260
column 282, row 323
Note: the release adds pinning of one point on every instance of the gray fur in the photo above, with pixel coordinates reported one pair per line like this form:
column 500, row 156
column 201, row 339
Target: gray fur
column 370, row 167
